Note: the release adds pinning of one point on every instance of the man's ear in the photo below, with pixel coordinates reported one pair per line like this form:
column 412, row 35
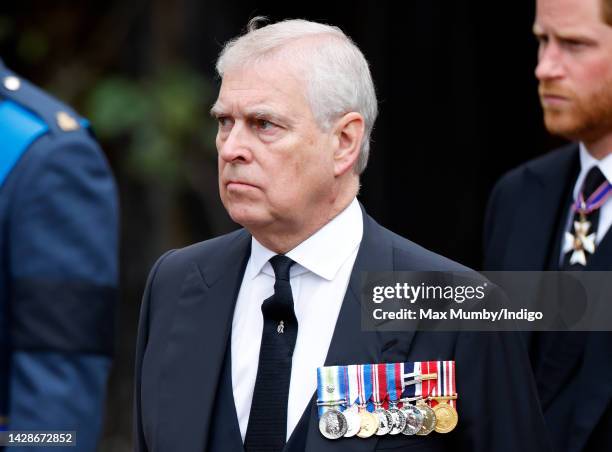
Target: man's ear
column 348, row 134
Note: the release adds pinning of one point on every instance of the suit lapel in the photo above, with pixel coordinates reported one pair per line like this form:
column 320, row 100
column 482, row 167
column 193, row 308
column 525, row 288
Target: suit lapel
column 547, row 185
column 595, row 372
column 351, row 345
column 197, row 344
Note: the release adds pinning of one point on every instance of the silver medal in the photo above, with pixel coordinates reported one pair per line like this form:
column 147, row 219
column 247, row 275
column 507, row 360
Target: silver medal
column 414, row 419
column 399, row 420
column 353, row 422
column 385, row 421
column 333, row 424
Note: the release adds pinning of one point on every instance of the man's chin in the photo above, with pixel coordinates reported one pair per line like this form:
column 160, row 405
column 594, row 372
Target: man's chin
column 246, row 216
column 559, row 124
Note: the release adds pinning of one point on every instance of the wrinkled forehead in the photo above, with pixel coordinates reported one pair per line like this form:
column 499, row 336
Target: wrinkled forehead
column 269, row 83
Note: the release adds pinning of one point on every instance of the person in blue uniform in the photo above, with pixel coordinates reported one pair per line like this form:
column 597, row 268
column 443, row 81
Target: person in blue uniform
column 58, row 266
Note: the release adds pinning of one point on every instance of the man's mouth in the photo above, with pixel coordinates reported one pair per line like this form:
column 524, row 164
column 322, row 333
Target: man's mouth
column 553, row 99
column 238, row 184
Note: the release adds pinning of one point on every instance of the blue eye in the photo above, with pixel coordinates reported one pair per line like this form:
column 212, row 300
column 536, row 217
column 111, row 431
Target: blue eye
column 264, row 124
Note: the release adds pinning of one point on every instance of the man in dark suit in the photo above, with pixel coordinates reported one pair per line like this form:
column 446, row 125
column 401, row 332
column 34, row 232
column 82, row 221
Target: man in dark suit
column 553, row 213
column 232, row 329
column 59, row 226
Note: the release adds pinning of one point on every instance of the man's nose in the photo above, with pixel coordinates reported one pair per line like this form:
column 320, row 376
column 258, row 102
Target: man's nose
column 235, row 147
column 549, row 63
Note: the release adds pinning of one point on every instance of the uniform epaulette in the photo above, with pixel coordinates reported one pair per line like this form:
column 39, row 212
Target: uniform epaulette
column 58, row 117
column 27, row 113
column 19, row 128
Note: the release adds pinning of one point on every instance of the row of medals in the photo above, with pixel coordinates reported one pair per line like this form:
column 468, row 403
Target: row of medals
column 418, row 419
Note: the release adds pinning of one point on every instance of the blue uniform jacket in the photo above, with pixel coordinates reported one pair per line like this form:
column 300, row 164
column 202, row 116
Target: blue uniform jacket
column 58, row 267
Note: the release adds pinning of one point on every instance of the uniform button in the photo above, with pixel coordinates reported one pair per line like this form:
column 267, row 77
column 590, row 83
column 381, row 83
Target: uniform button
column 66, row 122
column 11, row 83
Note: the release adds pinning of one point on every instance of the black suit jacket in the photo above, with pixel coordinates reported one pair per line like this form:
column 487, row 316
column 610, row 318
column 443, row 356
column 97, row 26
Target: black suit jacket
column 525, row 220
column 185, row 328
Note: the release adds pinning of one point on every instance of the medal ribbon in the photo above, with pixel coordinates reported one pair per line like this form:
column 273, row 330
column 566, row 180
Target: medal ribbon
column 418, row 387
column 379, row 380
column 409, row 379
column 430, row 387
column 342, row 383
column 330, row 387
column 446, row 380
column 364, row 383
column 358, row 383
column 595, row 201
column 394, row 381
column 352, row 384
column 445, row 384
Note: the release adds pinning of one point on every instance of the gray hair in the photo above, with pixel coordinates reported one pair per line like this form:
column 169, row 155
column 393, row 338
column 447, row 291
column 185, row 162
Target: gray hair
column 337, row 74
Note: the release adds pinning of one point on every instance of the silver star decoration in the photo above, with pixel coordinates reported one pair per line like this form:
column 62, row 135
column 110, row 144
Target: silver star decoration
column 579, row 243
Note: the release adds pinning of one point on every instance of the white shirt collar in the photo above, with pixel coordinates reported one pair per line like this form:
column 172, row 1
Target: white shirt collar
column 587, row 161
column 323, row 253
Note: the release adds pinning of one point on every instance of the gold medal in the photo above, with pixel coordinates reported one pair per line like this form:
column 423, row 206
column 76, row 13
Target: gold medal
column 446, row 417
column 369, row 424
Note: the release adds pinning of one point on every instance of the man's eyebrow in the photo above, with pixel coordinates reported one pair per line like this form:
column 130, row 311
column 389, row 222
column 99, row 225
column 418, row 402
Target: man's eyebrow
column 537, row 30
column 565, row 34
column 256, row 113
column 216, row 111
column 262, row 113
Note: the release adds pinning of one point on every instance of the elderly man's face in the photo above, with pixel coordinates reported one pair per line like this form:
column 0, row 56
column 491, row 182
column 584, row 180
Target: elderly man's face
column 574, row 68
column 275, row 163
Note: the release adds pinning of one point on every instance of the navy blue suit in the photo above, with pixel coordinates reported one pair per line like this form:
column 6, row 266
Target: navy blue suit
column 58, row 266
column 183, row 396
column 524, row 226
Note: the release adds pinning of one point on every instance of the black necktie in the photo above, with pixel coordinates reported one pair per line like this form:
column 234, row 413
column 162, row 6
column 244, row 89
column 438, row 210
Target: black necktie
column 267, row 428
column 592, row 182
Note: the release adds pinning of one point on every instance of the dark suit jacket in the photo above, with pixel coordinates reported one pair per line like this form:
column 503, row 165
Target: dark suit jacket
column 185, row 327
column 525, row 220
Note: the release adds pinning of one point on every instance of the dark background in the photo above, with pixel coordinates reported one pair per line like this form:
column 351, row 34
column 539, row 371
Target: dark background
column 458, row 108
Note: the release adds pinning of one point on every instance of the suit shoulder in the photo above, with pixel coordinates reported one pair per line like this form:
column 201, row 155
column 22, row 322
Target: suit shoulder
column 206, row 250
column 409, row 256
column 541, row 165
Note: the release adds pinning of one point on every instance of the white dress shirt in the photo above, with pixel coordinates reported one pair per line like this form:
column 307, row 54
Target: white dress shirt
column 319, row 279
column 587, row 161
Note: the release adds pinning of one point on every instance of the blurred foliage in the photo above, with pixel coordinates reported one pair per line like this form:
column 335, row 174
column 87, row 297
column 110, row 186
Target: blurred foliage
column 156, row 124
column 128, row 67
column 162, row 119
column 33, row 46
column 6, row 27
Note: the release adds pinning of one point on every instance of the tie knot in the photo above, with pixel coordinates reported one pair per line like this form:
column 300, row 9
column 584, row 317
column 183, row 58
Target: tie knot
column 592, row 181
column 281, row 266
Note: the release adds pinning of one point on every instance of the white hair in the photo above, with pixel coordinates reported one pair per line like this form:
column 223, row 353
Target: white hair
column 337, row 74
